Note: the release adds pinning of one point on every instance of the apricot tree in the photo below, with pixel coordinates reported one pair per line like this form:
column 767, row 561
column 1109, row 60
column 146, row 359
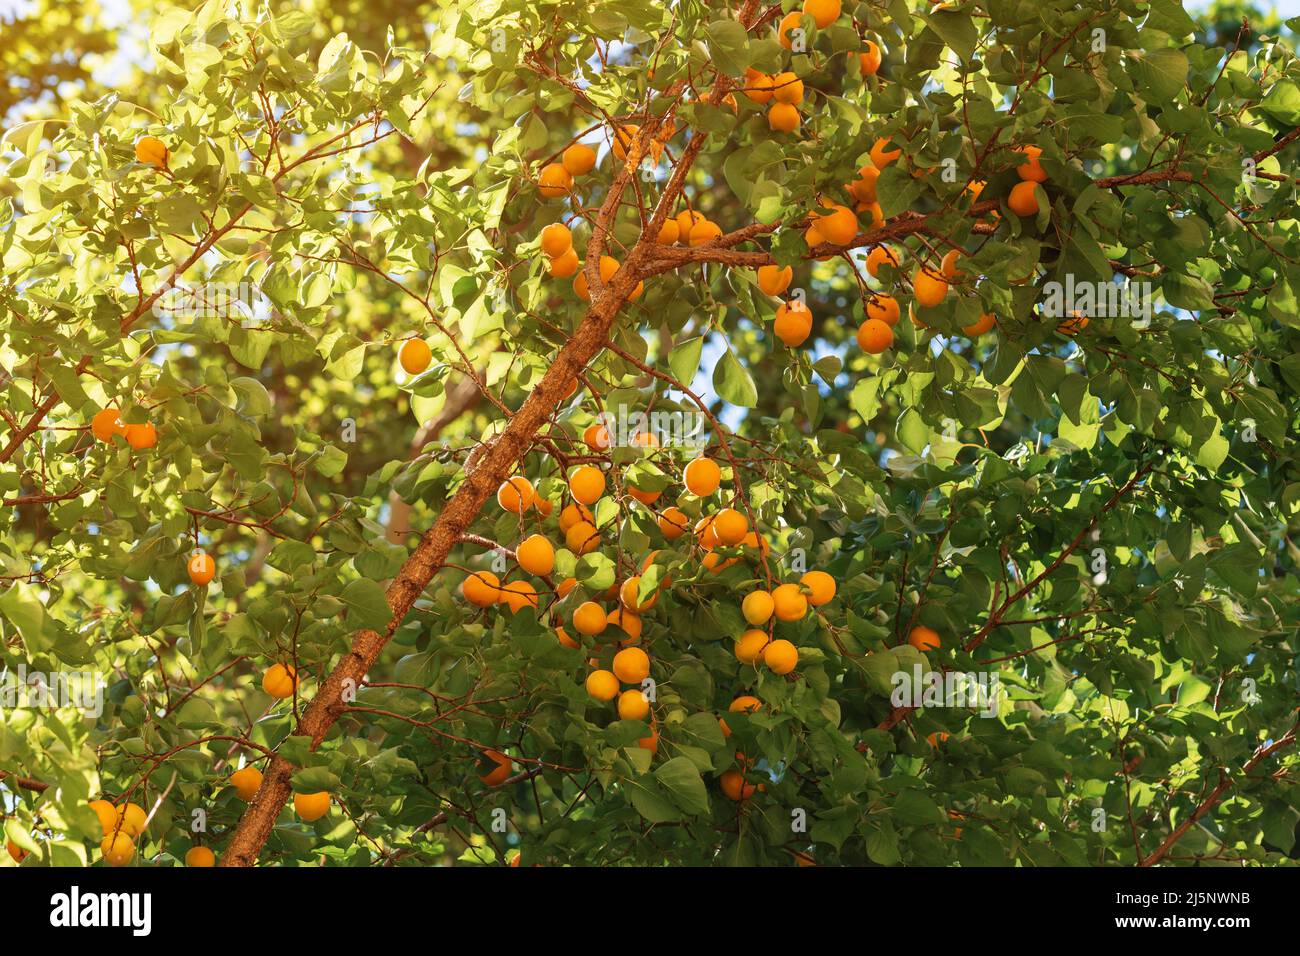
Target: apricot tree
column 778, row 433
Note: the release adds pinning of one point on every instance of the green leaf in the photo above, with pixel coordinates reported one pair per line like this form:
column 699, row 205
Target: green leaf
column 367, row 606
column 733, row 382
column 681, row 779
column 22, row 607
column 1160, row 74
column 684, row 359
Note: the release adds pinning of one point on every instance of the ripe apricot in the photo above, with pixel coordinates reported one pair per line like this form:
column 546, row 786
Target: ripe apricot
column 16, row 853
column 948, row 267
column 839, row 226
column 141, row 436
column 793, row 323
column 579, row 159
column 752, row 540
column 823, row 12
column 923, row 638
column 564, row 265
column 105, row 424
column 781, row 657
column 279, row 681
column 563, row 636
column 200, row 856
column 623, row 139
column 596, row 437
column 735, row 786
column 311, row 806
column 602, row 685
column 870, row 59
column 787, row 88
column 773, row 280
column 706, row 533
column 573, row 514
column 518, row 595
column 107, row 814
column 702, row 477
column 686, row 221
column 516, row 495
column 882, row 155
column 873, row 216
column 783, row 118
column 758, row 86
column 415, row 356
column 669, row 232
column 650, row 743
column 556, row 240
column 536, row 555
column 582, row 538
column 152, row 152
column 730, row 526
column 883, row 308
column 704, row 231
column 789, row 22
column 645, row 497
column 789, row 603
column 820, row 587
column 627, row 622
column 246, row 782
column 749, row 646
column 1023, row 200
column 481, row 588
column 202, row 569
column 1031, row 170
column 983, row 324
column 757, row 607
column 587, row 484
column 928, row 287
column 565, row 586
column 554, row 181
column 742, row 704
column 500, row 770
column 608, row 266
column 672, row 522
column 864, row 187
column 627, row 594
column 118, row 849
column 874, row 336
column 131, row 818
column 633, row 705
column 589, row 618
column 878, row 256
column 631, row 665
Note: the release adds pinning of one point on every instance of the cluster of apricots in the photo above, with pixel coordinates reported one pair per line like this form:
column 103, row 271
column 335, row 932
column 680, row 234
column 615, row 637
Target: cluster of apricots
column 1023, row 199
column 105, row 425
column 577, row 620
column 556, row 179
column 122, row 825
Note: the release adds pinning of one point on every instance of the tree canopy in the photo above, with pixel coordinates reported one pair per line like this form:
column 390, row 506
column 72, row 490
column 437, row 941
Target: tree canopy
column 568, row 434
